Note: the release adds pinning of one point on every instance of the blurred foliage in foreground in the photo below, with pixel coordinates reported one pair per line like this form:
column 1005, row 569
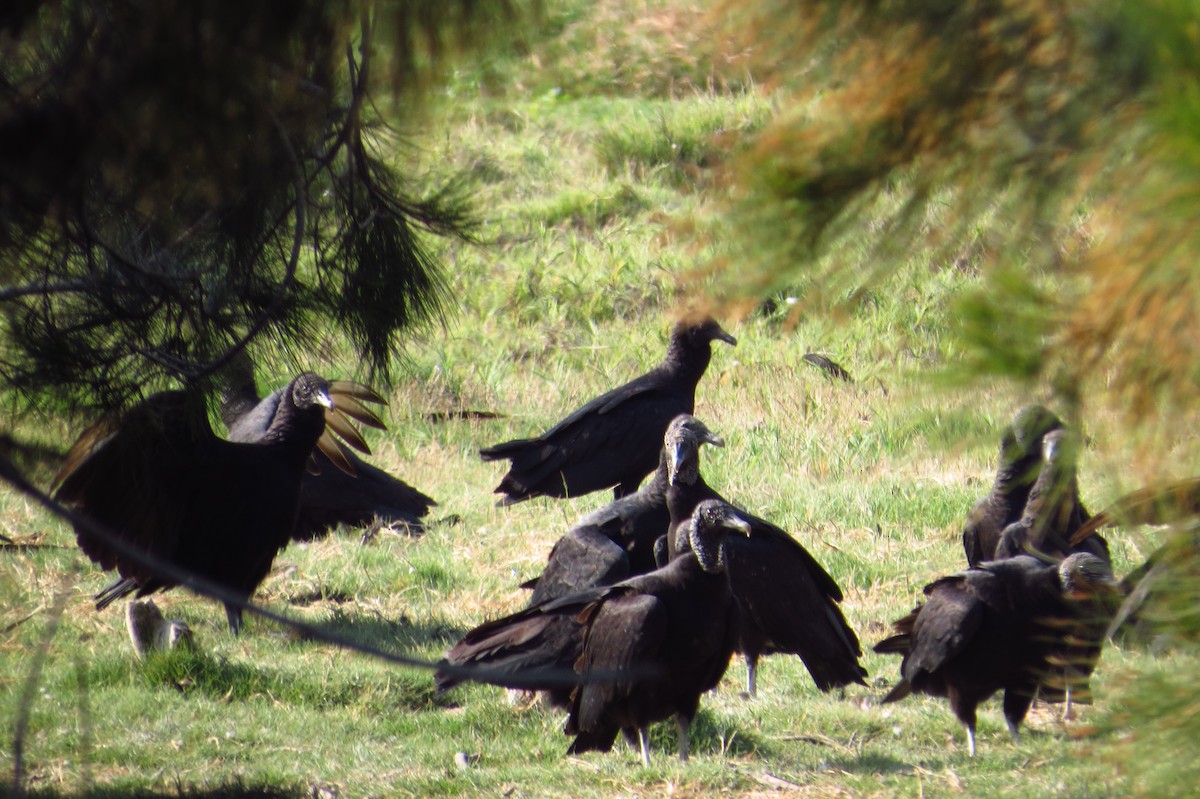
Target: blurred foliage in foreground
column 1156, row 712
column 1052, row 146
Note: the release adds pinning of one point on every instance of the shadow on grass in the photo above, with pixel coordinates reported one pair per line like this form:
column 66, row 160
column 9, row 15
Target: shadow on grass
column 872, row 761
column 234, row 789
column 191, row 671
column 401, row 635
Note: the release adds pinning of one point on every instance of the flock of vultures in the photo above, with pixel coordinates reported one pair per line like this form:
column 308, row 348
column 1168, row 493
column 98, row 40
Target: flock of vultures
column 646, row 599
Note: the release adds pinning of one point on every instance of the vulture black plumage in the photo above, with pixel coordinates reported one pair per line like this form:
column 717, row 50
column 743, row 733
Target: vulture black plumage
column 666, row 635
column 613, row 440
column 617, row 540
column 672, row 631
column 160, row 479
column 585, row 557
column 1054, row 510
column 546, row 638
column 608, row 545
column 996, row 627
column 340, row 487
column 1019, row 464
column 790, row 604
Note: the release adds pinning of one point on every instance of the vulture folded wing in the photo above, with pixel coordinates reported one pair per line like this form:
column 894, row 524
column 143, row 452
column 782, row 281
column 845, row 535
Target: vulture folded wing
column 624, row 636
column 945, row 625
column 583, row 558
column 794, row 602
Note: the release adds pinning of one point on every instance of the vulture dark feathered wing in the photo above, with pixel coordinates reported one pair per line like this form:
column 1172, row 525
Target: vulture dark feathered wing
column 658, row 641
column 541, row 639
column 997, row 627
column 584, row 558
column 790, row 604
column 1019, row 464
column 670, row 633
column 616, row 541
column 349, row 491
column 158, row 478
column 614, row 440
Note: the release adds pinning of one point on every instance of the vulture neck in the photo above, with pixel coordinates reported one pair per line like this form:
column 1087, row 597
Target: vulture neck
column 682, row 498
column 709, row 548
column 295, row 429
column 1049, row 500
column 686, row 358
column 1015, row 479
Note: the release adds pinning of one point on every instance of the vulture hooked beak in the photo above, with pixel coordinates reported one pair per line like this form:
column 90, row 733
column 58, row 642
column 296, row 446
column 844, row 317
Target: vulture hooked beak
column 735, row 522
column 678, row 449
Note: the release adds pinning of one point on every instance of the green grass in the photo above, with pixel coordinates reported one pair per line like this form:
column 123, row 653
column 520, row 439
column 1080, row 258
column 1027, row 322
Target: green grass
column 590, row 196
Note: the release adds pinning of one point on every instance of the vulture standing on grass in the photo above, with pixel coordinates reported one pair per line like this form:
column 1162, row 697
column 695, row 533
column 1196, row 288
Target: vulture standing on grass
column 612, row 441
column 1051, row 514
column 671, row 631
column 608, row 545
column 996, row 627
column 1018, row 469
column 330, row 494
column 618, row 540
column 159, row 480
column 789, row 602
column 666, row 635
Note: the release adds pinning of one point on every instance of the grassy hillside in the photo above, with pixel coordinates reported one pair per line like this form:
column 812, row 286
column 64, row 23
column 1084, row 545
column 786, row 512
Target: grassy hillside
column 601, row 204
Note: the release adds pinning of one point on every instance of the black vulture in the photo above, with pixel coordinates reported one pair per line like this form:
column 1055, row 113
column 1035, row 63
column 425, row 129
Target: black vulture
column 789, row 602
column 614, row 440
column 329, row 496
column 1077, row 651
column 1054, row 510
column 1019, row 465
column 160, row 479
column 670, row 631
column 618, row 540
column 995, row 627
